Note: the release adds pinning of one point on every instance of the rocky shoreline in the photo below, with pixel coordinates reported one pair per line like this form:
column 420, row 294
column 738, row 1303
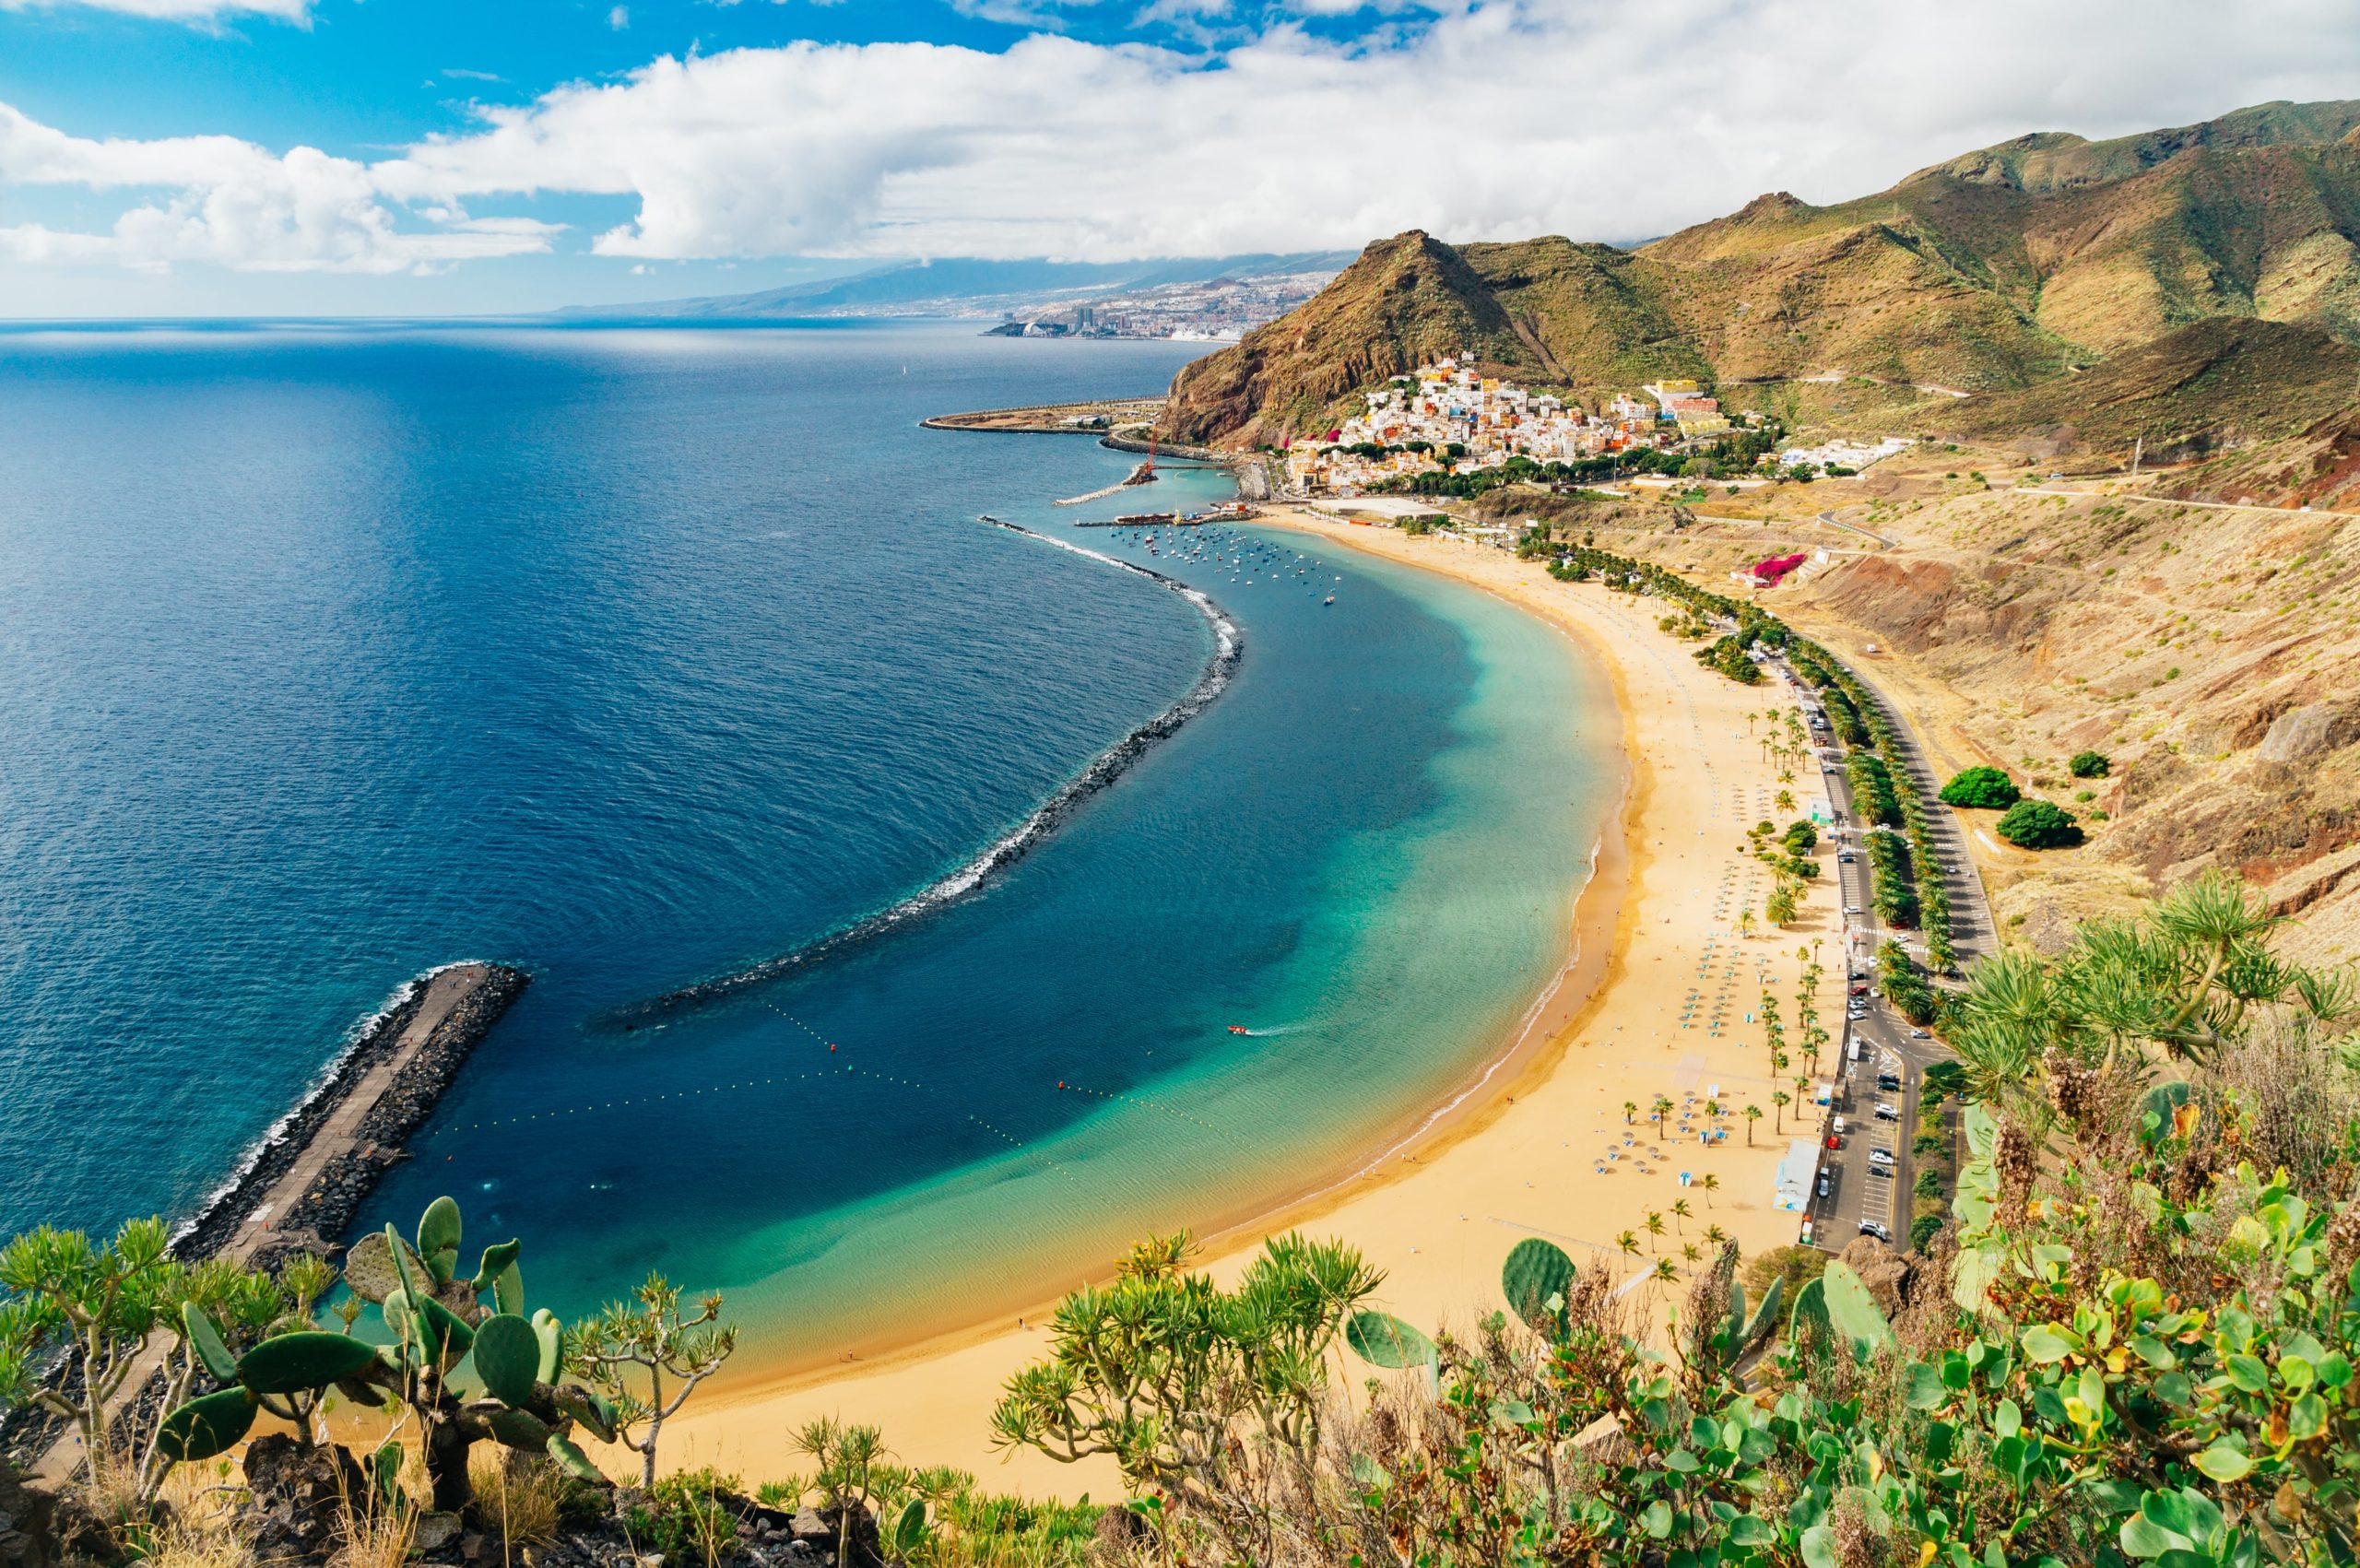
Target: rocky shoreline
column 331, row 1201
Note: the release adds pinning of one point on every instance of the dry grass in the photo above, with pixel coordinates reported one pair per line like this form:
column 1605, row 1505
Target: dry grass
column 522, row 1497
column 374, row 1538
column 183, row 1544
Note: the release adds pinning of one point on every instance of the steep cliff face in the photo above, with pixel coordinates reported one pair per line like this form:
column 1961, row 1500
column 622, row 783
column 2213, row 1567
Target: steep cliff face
column 2005, row 268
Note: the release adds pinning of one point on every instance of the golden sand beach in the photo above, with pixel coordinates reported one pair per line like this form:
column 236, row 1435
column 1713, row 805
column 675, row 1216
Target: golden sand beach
column 1659, row 1000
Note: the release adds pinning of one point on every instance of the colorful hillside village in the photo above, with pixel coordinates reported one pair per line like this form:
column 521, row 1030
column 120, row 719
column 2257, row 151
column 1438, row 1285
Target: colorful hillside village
column 1446, row 416
column 1450, row 418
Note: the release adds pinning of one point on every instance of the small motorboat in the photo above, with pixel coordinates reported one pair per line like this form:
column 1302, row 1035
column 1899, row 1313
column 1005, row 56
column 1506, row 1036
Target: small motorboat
column 1329, row 600
column 1238, row 1029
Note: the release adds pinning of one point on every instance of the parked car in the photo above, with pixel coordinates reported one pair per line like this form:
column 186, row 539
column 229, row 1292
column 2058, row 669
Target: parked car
column 1845, row 858
column 1877, row 1170
column 1880, row 1156
column 1836, row 1127
column 1834, row 1140
column 1888, row 1081
column 1826, row 1183
column 1919, row 1035
column 1887, row 1111
column 1861, row 989
column 1877, row 1229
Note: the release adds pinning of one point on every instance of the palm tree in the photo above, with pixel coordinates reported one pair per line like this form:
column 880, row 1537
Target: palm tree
column 1691, row 1254
column 1711, row 1183
column 1786, row 800
column 1630, row 1109
column 1779, row 1100
column 1714, row 1236
column 1655, row 1231
column 1679, row 1210
column 1753, row 1115
column 1662, row 1109
column 1745, row 921
column 1629, row 1241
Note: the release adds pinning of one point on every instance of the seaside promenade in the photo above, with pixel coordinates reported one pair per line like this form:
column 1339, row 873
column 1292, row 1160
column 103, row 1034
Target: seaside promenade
column 1659, row 1000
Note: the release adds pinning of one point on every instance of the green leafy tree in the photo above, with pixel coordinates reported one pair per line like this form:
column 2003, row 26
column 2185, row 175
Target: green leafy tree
column 2089, row 765
column 2038, row 824
column 1197, row 1392
column 1987, row 789
column 630, row 1350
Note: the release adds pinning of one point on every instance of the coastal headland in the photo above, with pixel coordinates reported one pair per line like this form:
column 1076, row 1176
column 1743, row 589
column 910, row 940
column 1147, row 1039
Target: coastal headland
column 1552, row 1137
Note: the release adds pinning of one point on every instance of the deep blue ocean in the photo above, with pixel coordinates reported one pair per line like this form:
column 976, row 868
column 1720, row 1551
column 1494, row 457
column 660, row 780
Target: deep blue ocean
column 639, row 658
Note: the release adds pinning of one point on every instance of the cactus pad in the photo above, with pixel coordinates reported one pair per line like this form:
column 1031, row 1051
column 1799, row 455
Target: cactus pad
column 1852, row 1311
column 1537, row 1271
column 203, row 1428
column 1382, row 1339
column 518, row 1429
column 293, row 1362
column 207, row 1341
column 438, row 1239
column 508, row 1358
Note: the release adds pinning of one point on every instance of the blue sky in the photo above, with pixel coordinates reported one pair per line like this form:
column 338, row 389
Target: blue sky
column 167, row 157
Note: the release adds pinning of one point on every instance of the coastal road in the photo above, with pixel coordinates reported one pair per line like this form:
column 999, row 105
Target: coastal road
column 1881, row 1057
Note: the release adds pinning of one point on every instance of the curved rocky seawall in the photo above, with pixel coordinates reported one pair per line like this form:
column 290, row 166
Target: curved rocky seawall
column 1228, row 650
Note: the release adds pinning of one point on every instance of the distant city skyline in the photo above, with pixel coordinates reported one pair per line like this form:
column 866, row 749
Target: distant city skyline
column 422, row 157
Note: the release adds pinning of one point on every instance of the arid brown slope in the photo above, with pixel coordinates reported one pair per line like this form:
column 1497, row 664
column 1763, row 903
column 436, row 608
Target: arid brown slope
column 2002, row 270
column 2209, row 652
column 2208, row 386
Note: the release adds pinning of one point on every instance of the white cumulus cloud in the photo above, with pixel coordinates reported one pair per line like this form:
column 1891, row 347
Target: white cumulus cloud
column 1501, row 118
column 1491, row 119
column 233, row 204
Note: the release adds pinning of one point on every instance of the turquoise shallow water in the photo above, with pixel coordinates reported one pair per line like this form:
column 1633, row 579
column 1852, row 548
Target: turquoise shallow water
column 643, row 657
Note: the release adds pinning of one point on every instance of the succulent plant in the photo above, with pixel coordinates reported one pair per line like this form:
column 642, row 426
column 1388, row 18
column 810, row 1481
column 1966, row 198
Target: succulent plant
column 1852, row 1311
column 1382, row 1339
column 1536, row 1278
column 439, row 1329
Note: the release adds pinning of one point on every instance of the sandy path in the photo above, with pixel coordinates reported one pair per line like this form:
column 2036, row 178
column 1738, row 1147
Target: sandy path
column 1441, row 1217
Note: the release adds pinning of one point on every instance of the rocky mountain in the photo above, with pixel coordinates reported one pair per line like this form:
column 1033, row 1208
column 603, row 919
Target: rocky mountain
column 2002, row 270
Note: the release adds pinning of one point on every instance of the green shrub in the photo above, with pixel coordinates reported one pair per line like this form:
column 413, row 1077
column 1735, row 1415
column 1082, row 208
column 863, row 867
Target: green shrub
column 684, row 1519
column 2038, row 824
column 2089, row 765
column 1923, row 1230
column 1801, row 837
column 1981, row 789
